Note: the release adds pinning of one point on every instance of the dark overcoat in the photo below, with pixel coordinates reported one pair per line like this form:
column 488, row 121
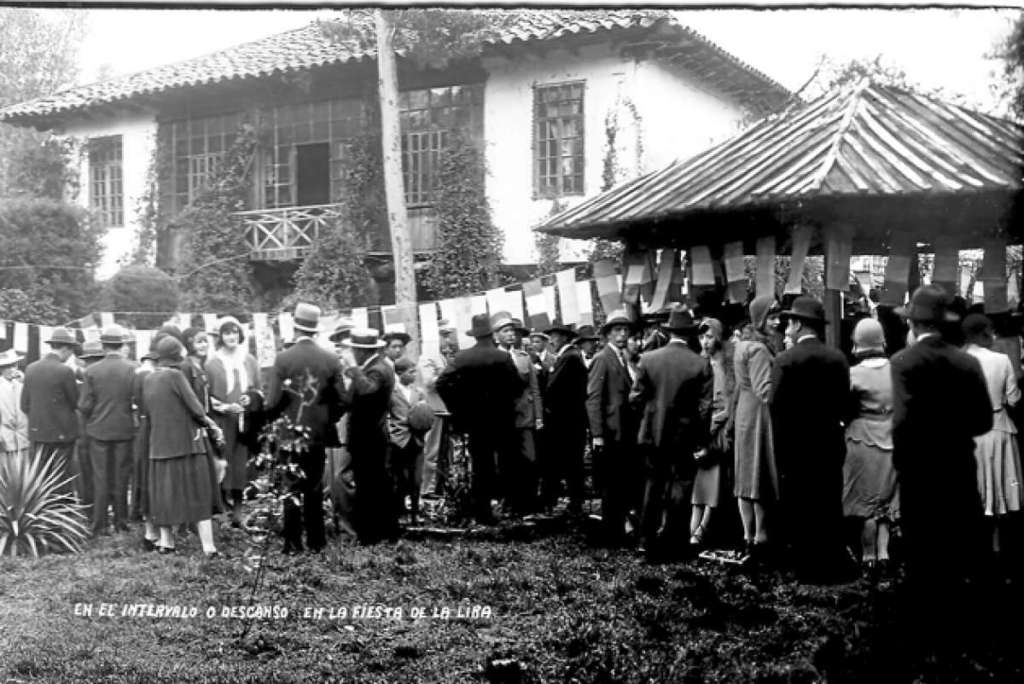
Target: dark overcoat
column 565, row 402
column 480, row 388
column 106, row 399
column 305, row 376
column 176, row 416
column 50, row 399
column 612, row 417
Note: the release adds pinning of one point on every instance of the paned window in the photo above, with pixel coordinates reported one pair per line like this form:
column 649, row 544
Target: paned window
column 106, row 181
column 199, row 146
column 558, row 140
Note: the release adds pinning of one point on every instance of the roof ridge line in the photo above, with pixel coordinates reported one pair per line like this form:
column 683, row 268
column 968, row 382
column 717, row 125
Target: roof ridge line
column 844, row 125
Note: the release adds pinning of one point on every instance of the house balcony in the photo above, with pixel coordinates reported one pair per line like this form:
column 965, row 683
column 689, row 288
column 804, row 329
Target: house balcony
column 289, row 233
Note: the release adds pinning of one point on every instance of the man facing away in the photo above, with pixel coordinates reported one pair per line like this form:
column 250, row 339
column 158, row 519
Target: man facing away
column 613, row 427
column 50, row 399
column 809, row 398
column 940, row 404
column 676, row 387
column 303, row 384
column 106, row 406
column 480, row 388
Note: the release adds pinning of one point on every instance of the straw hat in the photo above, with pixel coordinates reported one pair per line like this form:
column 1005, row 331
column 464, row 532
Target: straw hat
column 363, row 338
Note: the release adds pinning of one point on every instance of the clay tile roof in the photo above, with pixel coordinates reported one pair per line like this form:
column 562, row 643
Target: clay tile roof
column 310, row 47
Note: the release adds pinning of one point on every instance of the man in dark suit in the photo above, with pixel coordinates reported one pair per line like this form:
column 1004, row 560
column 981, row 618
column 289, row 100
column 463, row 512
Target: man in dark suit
column 940, row 403
column 106, row 406
column 368, row 399
column 480, row 388
column 675, row 386
column 613, row 427
column 49, row 399
column 810, row 392
column 303, row 385
column 565, row 420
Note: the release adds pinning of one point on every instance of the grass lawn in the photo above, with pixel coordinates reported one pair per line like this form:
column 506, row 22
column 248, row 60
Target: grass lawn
column 559, row 611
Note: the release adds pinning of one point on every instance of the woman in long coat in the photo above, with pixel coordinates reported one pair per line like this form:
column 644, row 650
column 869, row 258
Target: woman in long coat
column 197, row 342
column 996, row 451
column 756, row 475
column 181, row 483
column 233, row 373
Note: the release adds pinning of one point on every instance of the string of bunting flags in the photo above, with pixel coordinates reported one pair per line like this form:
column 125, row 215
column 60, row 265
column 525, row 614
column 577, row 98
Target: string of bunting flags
column 648, row 281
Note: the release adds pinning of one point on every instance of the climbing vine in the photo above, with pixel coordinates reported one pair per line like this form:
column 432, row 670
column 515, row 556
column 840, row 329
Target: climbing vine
column 334, row 275
column 147, row 211
column 469, row 249
column 218, row 275
column 547, row 246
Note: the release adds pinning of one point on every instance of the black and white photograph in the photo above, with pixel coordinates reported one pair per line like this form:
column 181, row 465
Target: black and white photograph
column 511, row 344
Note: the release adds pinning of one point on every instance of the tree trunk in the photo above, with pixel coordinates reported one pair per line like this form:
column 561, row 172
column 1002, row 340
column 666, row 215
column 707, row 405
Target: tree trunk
column 394, row 192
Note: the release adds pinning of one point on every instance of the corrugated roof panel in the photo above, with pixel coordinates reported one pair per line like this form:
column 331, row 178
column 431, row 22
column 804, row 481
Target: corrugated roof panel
column 865, row 141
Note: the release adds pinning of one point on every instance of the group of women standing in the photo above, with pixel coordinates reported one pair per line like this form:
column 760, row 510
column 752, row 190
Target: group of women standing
column 193, row 409
column 742, row 432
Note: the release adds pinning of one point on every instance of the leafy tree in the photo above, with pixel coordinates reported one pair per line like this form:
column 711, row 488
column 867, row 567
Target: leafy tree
column 1012, row 53
column 50, row 252
column 218, row 275
column 469, row 252
column 334, row 275
column 139, row 288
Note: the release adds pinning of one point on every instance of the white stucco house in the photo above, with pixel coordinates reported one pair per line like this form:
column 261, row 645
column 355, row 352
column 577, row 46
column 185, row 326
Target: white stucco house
column 560, row 101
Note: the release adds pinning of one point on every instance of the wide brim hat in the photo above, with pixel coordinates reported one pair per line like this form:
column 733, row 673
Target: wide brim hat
column 9, row 357
column 92, row 349
column 804, row 308
column 680, row 320
column 587, row 333
column 929, row 304
column 564, row 328
column 659, row 316
column 342, row 328
column 113, row 334
column 444, row 327
column 363, row 338
column 396, row 335
column 62, row 335
column 225, row 322
column 541, row 334
column 618, row 317
column 481, row 326
column 306, row 317
column 501, row 320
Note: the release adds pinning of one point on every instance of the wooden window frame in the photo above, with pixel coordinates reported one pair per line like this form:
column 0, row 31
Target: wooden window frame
column 541, row 188
column 106, row 180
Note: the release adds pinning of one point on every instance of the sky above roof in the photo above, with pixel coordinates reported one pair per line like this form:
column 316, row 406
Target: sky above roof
column 947, row 48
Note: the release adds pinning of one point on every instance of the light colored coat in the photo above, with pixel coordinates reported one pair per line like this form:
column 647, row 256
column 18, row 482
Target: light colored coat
column 13, row 422
column 1001, row 382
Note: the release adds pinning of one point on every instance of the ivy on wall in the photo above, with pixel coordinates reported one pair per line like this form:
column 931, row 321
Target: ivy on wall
column 219, row 275
column 147, row 211
column 547, row 246
column 469, row 244
column 334, row 275
column 363, row 191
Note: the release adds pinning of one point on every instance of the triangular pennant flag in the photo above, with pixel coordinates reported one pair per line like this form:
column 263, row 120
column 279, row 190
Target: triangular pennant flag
column 765, row 279
column 566, row 283
column 838, row 250
column 429, row 333
column 702, row 271
column 802, row 236
column 897, row 270
column 664, row 282
column 536, row 305
column 585, row 300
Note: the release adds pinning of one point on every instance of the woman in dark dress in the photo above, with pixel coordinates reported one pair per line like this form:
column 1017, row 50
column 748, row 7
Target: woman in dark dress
column 181, row 485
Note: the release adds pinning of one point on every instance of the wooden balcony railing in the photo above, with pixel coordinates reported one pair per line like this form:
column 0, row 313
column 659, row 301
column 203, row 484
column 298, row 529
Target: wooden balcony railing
column 290, row 232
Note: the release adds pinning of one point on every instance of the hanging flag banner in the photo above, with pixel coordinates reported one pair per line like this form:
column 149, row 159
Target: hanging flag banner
column 864, row 281
column 285, row 326
column 609, row 286
column 586, row 302
column 701, row 267
column 478, row 304
column 392, row 319
column 87, row 321
column 664, row 283
column 93, row 334
column 993, row 274
column 551, row 301
column 978, row 295
column 210, row 322
column 3, row 330
column 680, row 284
column 263, row 338
column 184, row 321
column 838, row 250
column 495, row 300
column 20, row 343
column 566, row 283
column 45, row 333
column 965, row 281
column 897, row 270
column 464, row 321
column 514, row 305
column 947, row 261
column 765, row 279
column 430, row 335
column 735, row 276
column 143, row 341
column 536, row 307
column 1013, row 290
column 638, row 274
column 802, row 236
column 647, row 287
column 106, row 319
column 447, row 307
column 361, row 317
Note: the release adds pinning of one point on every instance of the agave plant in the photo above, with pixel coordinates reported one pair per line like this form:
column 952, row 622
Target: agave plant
column 37, row 514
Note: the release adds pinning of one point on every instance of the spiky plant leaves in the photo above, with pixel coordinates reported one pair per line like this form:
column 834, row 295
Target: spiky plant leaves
column 36, row 514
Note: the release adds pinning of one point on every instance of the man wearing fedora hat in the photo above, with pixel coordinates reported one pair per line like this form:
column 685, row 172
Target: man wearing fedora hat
column 13, row 423
column 368, row 400
column 586, row 340
column 675, row 387
column 436, row 443
column 49, row 399
column 613, row 426
column 518, row 460
column 89, row 355
column 810, row 390
column 940, row 404
column 106, row 408
column 565, row 421
column 480, row 389
column 303, row 384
